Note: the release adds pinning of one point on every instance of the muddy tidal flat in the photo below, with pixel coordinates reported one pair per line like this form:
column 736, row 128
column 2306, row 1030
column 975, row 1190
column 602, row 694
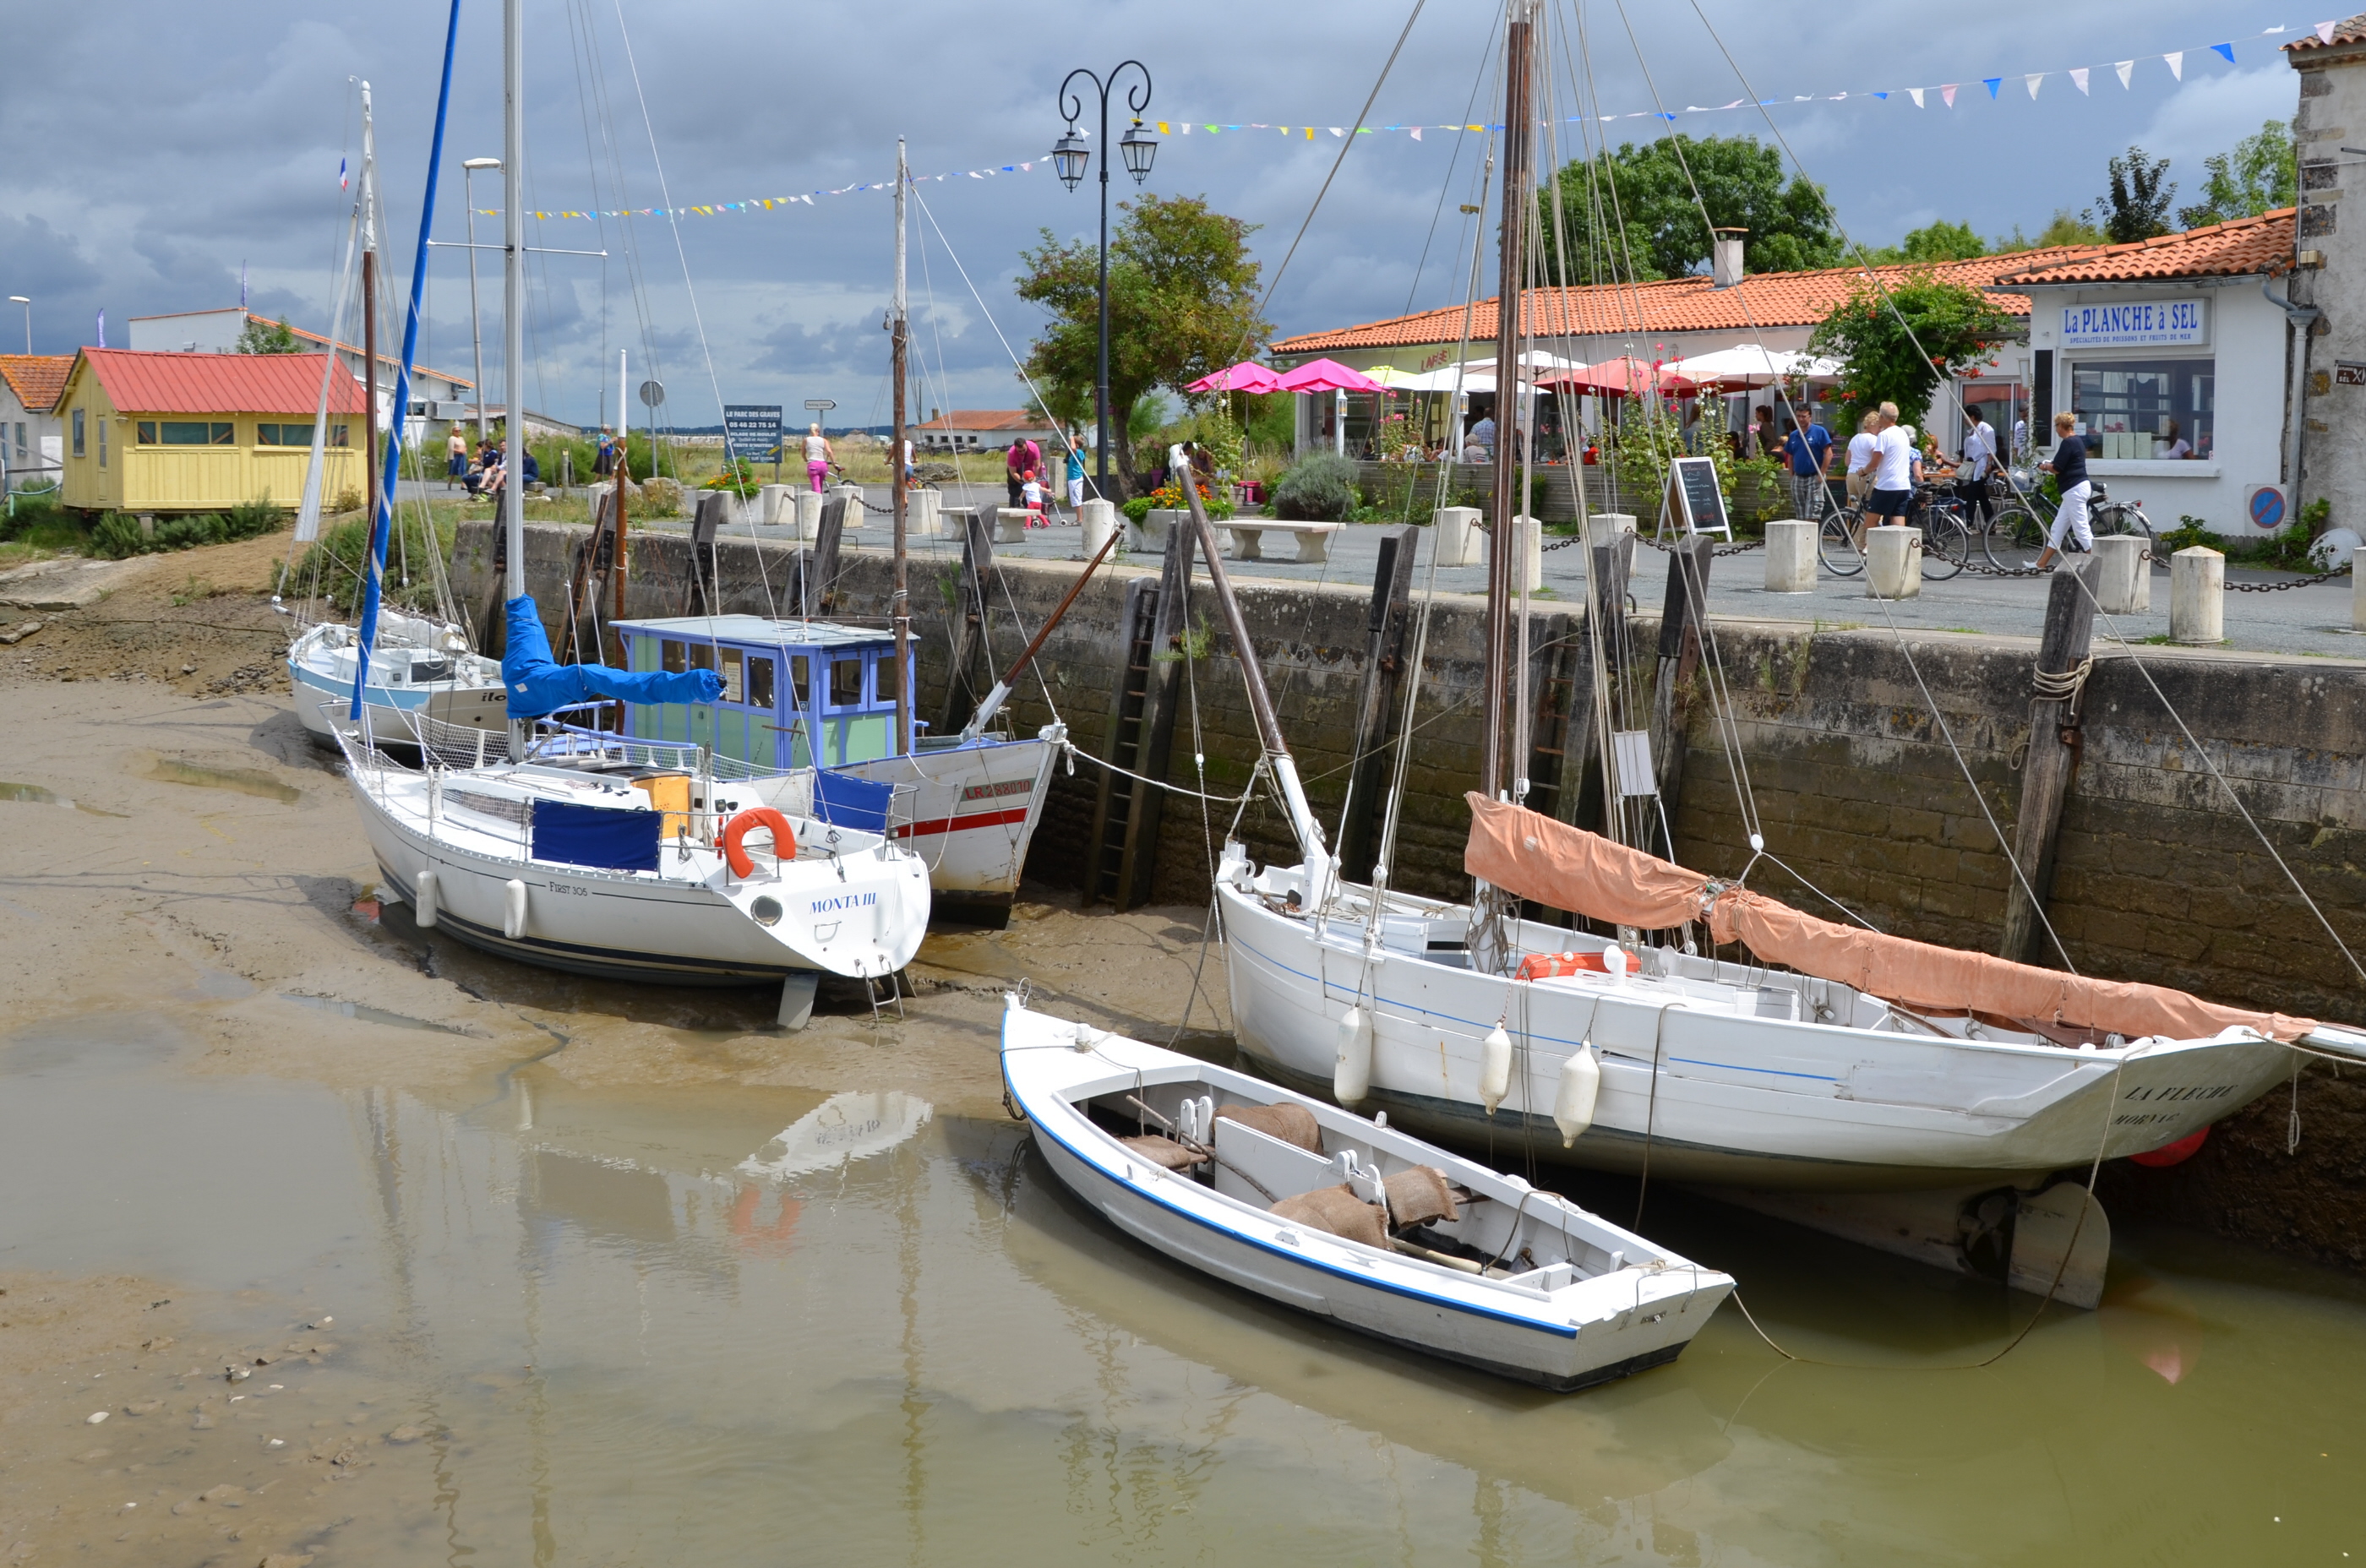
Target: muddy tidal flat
column 328, row 1241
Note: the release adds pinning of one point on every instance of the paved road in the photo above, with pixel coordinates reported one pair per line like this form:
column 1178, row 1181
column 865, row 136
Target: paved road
column 2312, row 620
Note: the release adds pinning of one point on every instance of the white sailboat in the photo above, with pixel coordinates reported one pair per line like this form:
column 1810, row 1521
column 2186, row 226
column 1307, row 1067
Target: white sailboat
column 1319, row 1209
column 634, row 865
column 1866, row 1064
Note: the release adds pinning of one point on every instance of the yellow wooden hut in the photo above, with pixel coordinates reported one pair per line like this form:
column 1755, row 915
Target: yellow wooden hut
column 185, row 432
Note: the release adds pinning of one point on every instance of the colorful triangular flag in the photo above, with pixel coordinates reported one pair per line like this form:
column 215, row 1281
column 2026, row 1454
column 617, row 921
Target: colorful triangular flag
column 1947, row 93
column 2227, row 50
column 2126, row 68
column 2325, row 31
column 1916, row 94
column 1992, row 84
column 1416, row 133
column 2176, row 64
column 2078, row 77
column 2032, row 79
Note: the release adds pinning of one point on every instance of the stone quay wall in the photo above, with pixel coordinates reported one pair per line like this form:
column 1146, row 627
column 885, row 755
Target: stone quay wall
column 1855, row 786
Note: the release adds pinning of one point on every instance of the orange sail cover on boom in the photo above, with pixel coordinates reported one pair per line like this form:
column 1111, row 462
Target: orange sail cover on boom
column 1516, row 849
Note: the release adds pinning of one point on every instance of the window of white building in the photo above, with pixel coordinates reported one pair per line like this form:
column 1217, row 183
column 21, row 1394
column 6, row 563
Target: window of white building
column 2164, row 399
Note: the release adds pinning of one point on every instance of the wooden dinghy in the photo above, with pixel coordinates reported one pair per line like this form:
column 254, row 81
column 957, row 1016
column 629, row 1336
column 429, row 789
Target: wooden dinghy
column 1317, row 1207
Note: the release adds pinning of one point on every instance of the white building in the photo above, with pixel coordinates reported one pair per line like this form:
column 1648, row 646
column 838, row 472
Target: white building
column 32, row 447
column 982, row 429
column 2184, row 338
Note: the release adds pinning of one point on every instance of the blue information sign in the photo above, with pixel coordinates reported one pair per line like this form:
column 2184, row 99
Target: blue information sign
column 751, row 432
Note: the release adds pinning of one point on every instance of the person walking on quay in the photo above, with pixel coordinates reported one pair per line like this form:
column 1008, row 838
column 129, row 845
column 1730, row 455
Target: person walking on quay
column 818, row 457
column 1808, row 452
column 1861, row 449
column 1979, row 465
column 2068, row 468
column 455, row 458
column 1891, row 493
column 1077, row 479
column 1023, row 462
column 604, row 462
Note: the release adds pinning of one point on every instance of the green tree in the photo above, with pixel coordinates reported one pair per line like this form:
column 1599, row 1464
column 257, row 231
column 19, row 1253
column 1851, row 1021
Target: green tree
column 2066, row 227
column 1940, row 241
column 1183, row 301
column 2137, row 205
column 2258, row 174
column 259, row 336
column 1894, row 348
column 1631, row 212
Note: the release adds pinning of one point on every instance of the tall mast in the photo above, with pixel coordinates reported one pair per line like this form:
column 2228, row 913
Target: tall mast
column 900, row 607
column 513, row 309
column 1512, row 254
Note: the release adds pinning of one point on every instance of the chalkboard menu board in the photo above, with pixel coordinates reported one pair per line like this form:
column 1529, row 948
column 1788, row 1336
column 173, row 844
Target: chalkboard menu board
column 1694, row 496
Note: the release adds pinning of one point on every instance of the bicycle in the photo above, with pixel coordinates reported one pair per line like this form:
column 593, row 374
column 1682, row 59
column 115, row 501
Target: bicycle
column 1839, row 539
column 1946, row 543
column 2016, row 534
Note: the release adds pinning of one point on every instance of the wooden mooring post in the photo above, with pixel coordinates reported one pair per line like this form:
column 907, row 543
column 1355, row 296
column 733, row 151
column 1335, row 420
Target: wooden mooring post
column 1680, row 648
column 1127, row 811
column 963, row 688
column 2053, row 754
column 1377, row 702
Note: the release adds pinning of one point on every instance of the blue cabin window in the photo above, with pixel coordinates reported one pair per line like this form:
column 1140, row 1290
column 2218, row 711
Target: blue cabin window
column 845, row 682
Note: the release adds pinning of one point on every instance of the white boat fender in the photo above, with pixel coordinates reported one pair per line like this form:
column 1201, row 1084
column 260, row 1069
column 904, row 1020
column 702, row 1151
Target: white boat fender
column 422, row 901
column 514, row 909
column 1494, row 1068
column 1351, row 1064
column 1581, row 1080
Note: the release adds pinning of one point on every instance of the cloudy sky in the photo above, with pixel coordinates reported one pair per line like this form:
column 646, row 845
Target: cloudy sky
column 149, row 153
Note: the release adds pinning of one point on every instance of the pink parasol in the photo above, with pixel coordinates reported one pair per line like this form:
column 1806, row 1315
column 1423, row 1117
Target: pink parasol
column 1328, row 376
column 1246, row 376
column 1625, row 376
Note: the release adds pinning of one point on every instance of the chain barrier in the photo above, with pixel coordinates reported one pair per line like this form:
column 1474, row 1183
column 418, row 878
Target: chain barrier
column 2309, row 581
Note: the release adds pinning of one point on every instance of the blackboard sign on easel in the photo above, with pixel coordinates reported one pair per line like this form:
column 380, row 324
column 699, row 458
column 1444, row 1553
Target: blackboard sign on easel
column 1692, row 500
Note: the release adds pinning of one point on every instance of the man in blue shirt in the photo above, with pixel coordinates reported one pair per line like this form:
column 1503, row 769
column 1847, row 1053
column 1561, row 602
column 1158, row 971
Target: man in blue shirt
column 1807, row 453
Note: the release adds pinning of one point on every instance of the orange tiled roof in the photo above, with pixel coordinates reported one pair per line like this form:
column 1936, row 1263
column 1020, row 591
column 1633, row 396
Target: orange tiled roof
column 985, row 420
column 144, row 381
column 2344, row 33
column 2234, row 249
column 36, row 378
column 1670, row 305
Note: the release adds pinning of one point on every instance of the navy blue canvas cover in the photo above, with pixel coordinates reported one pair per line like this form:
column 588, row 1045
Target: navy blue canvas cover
column 602, row 836
column 844, row 800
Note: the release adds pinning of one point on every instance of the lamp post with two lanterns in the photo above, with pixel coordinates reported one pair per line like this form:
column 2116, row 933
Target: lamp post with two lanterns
column 1070, row 156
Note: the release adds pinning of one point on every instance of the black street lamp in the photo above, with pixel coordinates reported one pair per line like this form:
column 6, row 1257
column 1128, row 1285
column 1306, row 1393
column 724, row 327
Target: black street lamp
column 1071, row 155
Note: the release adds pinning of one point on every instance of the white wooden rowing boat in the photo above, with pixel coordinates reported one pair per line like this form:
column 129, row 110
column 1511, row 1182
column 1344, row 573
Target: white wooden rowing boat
column 1520, row 1281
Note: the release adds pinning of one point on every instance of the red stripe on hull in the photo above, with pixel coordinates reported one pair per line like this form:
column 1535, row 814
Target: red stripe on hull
column 961, row 825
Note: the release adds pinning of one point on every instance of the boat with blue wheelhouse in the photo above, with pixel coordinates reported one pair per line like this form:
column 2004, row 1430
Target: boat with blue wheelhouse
column 806, row 693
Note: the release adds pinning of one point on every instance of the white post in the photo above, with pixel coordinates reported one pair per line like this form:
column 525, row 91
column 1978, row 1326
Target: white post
column 1790, row 556
column 2124, row 568
column 2357, row 592
column 2197, row 596
column 1604, row 527
column 1893, row 562
column 1525, row 540
column 1458, row 535
column 1339, row 423
column 920, row 521
column 1100, row 521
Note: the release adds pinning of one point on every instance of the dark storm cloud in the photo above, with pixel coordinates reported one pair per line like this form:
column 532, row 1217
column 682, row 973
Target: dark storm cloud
column 147, row 151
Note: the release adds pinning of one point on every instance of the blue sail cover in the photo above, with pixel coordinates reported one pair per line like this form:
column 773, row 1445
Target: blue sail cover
column 539, row 684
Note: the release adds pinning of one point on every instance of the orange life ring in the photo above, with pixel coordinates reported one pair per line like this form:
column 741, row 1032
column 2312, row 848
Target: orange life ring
column 785, row 838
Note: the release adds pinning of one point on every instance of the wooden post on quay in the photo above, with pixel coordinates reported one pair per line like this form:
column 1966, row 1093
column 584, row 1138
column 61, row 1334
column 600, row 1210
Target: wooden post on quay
column 822, row 598
column 1610, row 565
column 1113, row 796
column 1377, row 704
column 1680, row 646
column 700, row 597
column 1161, row 701
column 963, row 689
column 2052, row 754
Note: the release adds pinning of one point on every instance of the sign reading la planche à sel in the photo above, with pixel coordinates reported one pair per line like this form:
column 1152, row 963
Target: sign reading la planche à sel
column 2144, row 323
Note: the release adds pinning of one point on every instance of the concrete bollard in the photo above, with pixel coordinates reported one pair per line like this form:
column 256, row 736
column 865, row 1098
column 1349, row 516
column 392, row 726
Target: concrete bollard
column 1791, row 556
column 1150, row 533
column 1458, row 536
column 2123, row 568
column 808, row 519
column 1101, row 520
column 774, row 500
column 854, row 502
column 1528, row 546
column 1893, row 562
column 1604, row 527
column 923, row 509
column 2197, row 596
column 2358, row 593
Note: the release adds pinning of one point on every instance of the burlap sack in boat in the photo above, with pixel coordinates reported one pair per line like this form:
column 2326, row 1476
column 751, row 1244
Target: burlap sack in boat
column 1293, row 1125
column 1336, row 1212
column 1163, row 1151
column 1418, row 1195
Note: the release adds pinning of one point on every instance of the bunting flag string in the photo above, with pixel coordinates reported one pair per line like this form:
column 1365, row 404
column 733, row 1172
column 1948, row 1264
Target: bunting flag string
column 2080, row 75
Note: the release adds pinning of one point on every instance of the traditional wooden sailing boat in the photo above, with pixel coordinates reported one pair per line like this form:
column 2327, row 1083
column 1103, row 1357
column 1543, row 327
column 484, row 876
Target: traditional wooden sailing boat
column 1358, row 1221
column 1865, row 1064
column 631, row 863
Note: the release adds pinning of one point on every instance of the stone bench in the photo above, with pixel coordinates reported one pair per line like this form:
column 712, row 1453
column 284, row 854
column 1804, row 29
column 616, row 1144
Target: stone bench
column 1011, row 524
column 1248, row 534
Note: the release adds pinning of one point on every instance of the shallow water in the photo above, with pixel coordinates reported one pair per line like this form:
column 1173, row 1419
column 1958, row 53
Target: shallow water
column 717, row 1327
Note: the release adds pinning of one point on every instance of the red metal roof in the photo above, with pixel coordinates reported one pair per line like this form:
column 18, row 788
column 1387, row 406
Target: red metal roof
column 36, row 378
column 2237, row 247
column 139, row 381
column 1670, row 305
